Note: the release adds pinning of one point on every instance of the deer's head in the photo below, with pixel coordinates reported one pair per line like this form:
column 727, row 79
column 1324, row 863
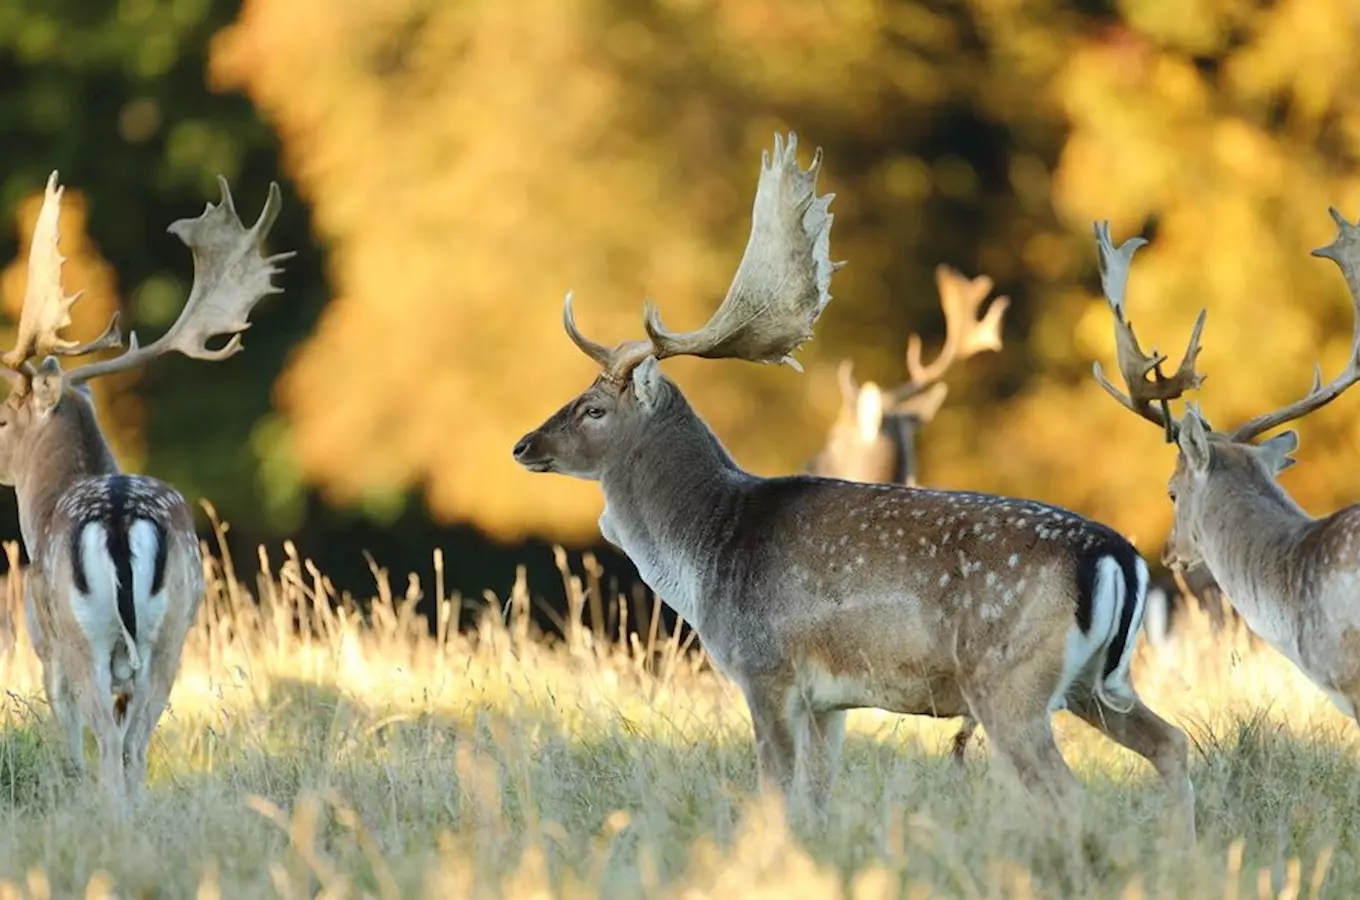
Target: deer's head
column 1211, row 466
column 47, row 404
column 780, row 288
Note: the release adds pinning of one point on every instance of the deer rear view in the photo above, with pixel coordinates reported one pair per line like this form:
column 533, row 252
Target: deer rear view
column 115, row 577
column 817, row 595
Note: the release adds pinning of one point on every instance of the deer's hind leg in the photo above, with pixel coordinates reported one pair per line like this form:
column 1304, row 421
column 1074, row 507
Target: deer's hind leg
column 1011, row 701
column 56, row 682
column 93, row 693
column 148, row 704
column 1153, row 738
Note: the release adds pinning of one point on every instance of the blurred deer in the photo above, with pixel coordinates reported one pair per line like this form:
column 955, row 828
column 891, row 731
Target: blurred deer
column 1171, row 595
column 1292, row 578
column 874, row 436
column 115, row 577
column 817, row 595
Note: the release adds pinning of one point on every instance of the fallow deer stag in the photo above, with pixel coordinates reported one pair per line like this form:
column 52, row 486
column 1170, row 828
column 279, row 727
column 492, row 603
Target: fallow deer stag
column 874, row 436
column 817, row 595
column 115, row 576
column 1291, row 577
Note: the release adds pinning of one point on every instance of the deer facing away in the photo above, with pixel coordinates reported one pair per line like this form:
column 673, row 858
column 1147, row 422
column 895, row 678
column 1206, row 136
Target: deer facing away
column 816, row 595
column 1293, row 579
column 115, row 577
column 874, row 436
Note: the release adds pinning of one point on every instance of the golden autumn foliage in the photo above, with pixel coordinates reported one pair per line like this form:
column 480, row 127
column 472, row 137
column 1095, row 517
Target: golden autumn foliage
column 468, row 163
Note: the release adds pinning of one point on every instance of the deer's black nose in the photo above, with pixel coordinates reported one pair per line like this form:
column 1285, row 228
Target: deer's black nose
column 522, row 447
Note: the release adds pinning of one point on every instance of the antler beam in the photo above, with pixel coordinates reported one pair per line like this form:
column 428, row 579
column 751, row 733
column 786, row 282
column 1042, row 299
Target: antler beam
column 1344, row 250
column 965, row 334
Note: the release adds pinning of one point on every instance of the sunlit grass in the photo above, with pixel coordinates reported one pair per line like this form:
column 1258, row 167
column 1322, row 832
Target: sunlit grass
column 363, row 756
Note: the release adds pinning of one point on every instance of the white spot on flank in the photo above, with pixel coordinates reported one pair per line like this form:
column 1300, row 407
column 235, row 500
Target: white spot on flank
column 1014, row 560
column 991, row 579
column 944, row 579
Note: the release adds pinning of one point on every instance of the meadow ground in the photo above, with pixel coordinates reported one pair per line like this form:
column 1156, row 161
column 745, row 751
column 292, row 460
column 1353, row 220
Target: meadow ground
column 317, row 753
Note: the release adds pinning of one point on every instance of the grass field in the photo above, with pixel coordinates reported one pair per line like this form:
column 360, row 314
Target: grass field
column 317, row 753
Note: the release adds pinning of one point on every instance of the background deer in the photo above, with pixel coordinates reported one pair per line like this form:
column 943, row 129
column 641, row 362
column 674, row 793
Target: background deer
column 1292, row 578
column 817, row 595
column 874, row 436
column 115, row 576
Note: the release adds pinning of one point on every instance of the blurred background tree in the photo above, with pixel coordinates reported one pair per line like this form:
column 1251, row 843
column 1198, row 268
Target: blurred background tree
column 462, row 165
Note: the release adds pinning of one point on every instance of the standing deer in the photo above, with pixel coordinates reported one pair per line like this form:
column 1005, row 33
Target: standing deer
column 1291, row 577
column 115, row 576
column 816, row 595
column 874, row 438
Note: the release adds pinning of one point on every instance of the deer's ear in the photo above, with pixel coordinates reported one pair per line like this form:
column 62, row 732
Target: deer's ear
column 647, row 383
column 1275, row 452
column 47, row 386
column 1194, row 441
column 869, row 411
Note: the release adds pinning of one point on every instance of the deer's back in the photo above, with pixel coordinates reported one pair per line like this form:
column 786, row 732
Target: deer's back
column 869, row 574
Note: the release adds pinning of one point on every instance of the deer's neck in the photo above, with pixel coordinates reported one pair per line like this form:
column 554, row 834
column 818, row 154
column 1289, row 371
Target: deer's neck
column 670, row 499
column 68, row 448
column 900, row 430
column 1250, row 538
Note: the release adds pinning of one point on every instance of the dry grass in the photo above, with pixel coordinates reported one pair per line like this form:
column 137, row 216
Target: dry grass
column 361, row 756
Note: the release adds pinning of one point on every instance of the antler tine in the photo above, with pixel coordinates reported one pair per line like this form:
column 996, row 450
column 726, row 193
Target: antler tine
column 965, row 334
column 598, row 352
column 1344, row 250
column 1134, row 365
column 784, row 279
column 47, row 308
column 231, row 275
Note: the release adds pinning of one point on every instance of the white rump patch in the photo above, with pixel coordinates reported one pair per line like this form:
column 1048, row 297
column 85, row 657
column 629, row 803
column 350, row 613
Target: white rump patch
column 1115, row 687
column 1107, row 599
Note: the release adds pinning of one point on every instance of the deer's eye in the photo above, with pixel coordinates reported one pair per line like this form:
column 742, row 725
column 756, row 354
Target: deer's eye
column 594, row 412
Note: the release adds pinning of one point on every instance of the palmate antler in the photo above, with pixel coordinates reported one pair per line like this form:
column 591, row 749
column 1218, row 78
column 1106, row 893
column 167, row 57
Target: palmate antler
column 1148, row 398
column 779, row 290
column 231, row 276
column 47, row 308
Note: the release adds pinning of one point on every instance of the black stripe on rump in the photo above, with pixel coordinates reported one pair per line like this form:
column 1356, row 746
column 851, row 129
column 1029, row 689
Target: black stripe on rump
column 118, row 524
column 162, row 549
column 1122, row 552
column 1128, row 563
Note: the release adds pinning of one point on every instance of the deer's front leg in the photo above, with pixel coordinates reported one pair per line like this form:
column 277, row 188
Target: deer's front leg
column 776, row 747
column 820, row 738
